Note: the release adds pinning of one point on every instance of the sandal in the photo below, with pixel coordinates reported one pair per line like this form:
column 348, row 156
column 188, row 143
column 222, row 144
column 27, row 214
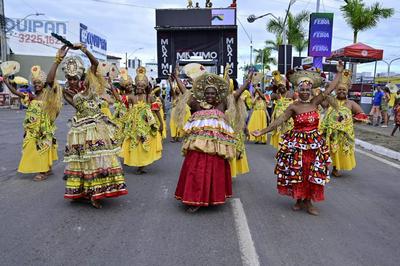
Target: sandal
column 40, row 177
column 298, row 206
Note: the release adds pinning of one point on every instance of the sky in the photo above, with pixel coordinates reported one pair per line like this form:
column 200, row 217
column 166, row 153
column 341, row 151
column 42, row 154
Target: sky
column 129, row 24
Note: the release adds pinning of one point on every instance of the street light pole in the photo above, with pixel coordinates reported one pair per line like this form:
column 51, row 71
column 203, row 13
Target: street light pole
column 126, row 56
column 390, row 63
column 253, row 18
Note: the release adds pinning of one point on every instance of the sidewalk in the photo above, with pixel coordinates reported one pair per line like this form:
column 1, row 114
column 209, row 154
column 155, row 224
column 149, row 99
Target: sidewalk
column 378, row 136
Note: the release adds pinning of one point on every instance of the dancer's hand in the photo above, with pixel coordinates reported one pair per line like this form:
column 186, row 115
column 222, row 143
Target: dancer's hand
column 256, row 133
column 340, row 66
column 62, row 52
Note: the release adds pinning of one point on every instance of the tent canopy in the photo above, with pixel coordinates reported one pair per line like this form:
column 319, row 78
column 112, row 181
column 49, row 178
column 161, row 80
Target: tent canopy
column 358, row 53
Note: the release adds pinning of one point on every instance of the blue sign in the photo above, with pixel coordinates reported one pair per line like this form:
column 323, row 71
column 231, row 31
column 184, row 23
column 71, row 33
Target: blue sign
column 320, row 34
column 92, row 40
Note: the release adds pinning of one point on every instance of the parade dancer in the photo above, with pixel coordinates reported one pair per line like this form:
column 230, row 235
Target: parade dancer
column 176, row 127
column 209, row 144
column 281, row 98
column 259, row 117
column 303, row 157
column 237, row 119
column 39, row 147
column 93, row 170
column 337, row 127
column 140, row 147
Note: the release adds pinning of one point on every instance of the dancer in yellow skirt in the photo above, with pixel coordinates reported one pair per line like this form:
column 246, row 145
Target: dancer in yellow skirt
column 282, row 98
column 338, row 128
column 259, row 117
column 237, row 118
column 39, row 148
column 157, row 95
column 176, row 127
column 140, row 147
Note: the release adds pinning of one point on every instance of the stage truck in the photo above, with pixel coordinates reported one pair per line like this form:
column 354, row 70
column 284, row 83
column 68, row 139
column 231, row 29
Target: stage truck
column 204, row 36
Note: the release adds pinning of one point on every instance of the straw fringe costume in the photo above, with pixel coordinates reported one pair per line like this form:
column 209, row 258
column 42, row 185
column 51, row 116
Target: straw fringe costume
column 39, row 148
column 93, row 170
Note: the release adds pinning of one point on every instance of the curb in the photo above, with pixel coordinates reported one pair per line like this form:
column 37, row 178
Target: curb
column 378, row 149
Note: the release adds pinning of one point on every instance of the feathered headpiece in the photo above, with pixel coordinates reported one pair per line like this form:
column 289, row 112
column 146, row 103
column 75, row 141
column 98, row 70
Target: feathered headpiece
column 208, row 80
column 345, row 79
column 9, row 68
column 73, row 66
column 277, row 78
column 37, row 74
column 125, row 79
column 311, row 75
column 141, row 75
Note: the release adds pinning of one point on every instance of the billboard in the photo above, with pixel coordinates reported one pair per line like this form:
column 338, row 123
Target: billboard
column 320, row 34
column 219, row 45
column 184, row 33
column 33, row 37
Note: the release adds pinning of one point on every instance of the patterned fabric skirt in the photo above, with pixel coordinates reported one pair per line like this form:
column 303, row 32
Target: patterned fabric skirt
column 204, row 180
column 93, row 170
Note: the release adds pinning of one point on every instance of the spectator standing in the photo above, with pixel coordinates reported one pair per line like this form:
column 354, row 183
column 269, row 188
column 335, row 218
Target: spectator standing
column 375, row 113
column 385, row 106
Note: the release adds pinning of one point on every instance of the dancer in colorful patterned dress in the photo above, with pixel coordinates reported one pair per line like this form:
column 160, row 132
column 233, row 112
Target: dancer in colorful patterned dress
column 93, row 170
column 39, row 147
column 140, row 147
column 337, row 127
column 303, row 157
column 209, row 144
column 282, row 98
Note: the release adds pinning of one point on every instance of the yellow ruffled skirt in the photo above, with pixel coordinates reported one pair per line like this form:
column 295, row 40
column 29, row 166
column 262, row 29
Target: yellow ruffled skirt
column 258, row 121
column 177, row 132
column 107, row 112
column 33, row 161
column 342, row 160
column 138, row 156
column 239, row 167
column 275, row 139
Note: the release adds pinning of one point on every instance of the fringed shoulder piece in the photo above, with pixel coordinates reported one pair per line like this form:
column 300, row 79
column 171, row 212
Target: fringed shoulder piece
column 52, row 101
column 180, row 108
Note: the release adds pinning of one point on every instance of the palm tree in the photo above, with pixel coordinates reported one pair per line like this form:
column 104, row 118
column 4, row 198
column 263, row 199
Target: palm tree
column 294, row 29
column 274, row 45
column 360, row 18
column 263, row 56
column 300, row 45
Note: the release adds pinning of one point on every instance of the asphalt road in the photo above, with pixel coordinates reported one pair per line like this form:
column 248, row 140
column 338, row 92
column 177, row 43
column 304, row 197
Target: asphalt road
column 358, row 222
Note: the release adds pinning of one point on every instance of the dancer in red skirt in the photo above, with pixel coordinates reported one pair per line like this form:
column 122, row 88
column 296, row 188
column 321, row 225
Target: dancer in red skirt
column 303, row 157
column 209, row 144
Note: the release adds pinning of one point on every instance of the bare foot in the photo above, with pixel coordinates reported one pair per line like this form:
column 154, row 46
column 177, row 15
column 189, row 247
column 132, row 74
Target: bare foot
column 193, row 209
column 336, row 173
column 310, row 208
column 298, row 206
column 96, row 204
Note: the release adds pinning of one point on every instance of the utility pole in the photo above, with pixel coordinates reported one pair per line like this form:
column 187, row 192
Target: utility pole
column 126, row 60
column 318, row 5
column 3, row 40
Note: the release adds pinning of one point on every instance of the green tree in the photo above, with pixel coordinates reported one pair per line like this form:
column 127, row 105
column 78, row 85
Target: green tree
column 265, row 55
column 294, row 27
column 274, row 45
column 300, row 45
column 360, row 17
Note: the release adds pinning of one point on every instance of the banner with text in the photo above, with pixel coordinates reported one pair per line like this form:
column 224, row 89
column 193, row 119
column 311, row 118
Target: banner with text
column 320, row 34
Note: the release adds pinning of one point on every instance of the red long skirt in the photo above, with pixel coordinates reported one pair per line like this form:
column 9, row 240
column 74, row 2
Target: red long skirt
column 204, row 180
column 305, row 189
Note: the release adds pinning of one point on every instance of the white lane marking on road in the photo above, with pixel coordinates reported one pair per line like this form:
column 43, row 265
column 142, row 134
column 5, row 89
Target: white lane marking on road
column 247, row 249
column 395, row 165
